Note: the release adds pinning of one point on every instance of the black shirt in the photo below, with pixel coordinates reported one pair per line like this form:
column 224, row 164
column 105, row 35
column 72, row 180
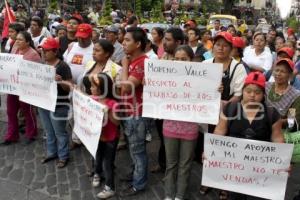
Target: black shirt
column 226, row 79
column 64, row 71
column 259, row 129
column 64, row 43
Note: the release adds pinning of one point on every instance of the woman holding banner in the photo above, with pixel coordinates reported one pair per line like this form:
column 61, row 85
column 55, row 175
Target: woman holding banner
column 23, row 46
column 54, row 123
column 234, row 74
column 180, row 139
column 250, row 118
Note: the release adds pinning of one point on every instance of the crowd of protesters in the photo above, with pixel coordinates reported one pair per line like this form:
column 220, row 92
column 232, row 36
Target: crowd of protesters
column 258, row 68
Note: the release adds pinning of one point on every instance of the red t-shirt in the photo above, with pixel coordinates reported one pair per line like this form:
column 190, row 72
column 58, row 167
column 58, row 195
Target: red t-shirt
column 135, row 101
column 110, row 130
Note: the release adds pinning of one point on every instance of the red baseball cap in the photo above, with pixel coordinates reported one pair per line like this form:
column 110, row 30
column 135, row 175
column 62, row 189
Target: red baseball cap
column 78, row 17
column 238, row 42
column 289, row 51
column 288, row 61
column 190, row 23
column 290, row 31
column 256, row 78
column 50, row 43
column 227, row 36
column 84, row 31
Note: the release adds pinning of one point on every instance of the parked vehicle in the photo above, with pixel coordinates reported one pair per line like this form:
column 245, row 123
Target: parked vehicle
column 225, row 20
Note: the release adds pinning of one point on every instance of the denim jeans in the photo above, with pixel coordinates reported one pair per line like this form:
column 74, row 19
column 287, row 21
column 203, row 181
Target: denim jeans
column 105, row 159
column 136, row 135
column 54, row 124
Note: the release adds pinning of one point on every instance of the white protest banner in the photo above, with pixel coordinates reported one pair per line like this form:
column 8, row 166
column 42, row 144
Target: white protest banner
column 88, row 119
column 245, row 166
column 9, row 65
column 37, row 85
column 183, row 91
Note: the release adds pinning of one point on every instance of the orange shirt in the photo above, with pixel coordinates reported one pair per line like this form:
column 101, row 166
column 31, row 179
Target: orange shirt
column 208, row 45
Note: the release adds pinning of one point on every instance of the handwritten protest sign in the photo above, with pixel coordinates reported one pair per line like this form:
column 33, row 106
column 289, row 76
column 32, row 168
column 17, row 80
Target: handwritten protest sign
column 88, row 119
column 37, row 85
column 9, row 65
column 246, row 166
column 184, row 91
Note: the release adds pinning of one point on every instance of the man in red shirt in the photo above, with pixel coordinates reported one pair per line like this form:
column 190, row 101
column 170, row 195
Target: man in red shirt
column 132, row 90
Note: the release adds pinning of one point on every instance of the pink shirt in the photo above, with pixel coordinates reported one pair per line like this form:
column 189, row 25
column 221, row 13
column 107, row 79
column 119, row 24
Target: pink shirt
column 180, row 129
column 30, row 54
column 160, row 51
column 109, row 130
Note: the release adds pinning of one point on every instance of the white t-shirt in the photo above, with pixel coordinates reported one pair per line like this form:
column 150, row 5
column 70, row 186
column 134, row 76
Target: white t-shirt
column 151, row 54
column 7, row 45
column 214, row 32
column 53, row 28
column 263, row 60
column 194, row 49
column 45, row 33
column 77, row 57
column 37, row 41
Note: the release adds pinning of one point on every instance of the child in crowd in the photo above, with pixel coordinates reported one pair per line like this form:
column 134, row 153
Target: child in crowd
column 180, row 140
column 102, row 91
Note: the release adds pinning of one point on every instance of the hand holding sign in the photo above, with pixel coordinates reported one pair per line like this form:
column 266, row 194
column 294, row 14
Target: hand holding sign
column 88, row 119
column 9, row 66
column 246, row 166
column 37, row 85
column 183, row 91
column 58, row 78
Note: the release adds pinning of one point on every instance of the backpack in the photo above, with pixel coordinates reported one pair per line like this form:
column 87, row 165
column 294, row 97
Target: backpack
column 41, row 39
column 226, row 93
column 247, row 68
column 232, row 112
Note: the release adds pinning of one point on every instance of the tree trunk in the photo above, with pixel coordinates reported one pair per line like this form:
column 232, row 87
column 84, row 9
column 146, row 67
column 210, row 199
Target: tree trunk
column 228, row 5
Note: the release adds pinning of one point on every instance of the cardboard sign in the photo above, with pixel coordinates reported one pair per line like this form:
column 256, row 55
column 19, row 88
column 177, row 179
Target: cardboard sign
column 246, row 166
column 9, row 66
column 88, row 119
column 183, row 91
column 37, row 85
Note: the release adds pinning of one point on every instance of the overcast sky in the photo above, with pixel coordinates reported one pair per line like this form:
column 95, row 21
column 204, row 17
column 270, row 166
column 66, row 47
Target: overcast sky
column 284, row 7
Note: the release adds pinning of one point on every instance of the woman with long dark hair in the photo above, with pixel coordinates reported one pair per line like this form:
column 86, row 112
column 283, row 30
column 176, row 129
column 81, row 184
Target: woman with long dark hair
column 102, row 92
column 102, row 52
column 158, row 35
column 180, row 139
column 23, row 46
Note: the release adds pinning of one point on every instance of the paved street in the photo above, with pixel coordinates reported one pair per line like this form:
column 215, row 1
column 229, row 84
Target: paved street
column 23, row 177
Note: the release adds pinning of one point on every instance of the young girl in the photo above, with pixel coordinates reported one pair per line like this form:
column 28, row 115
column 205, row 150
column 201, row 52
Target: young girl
column 180, row 139
column 102, row 91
